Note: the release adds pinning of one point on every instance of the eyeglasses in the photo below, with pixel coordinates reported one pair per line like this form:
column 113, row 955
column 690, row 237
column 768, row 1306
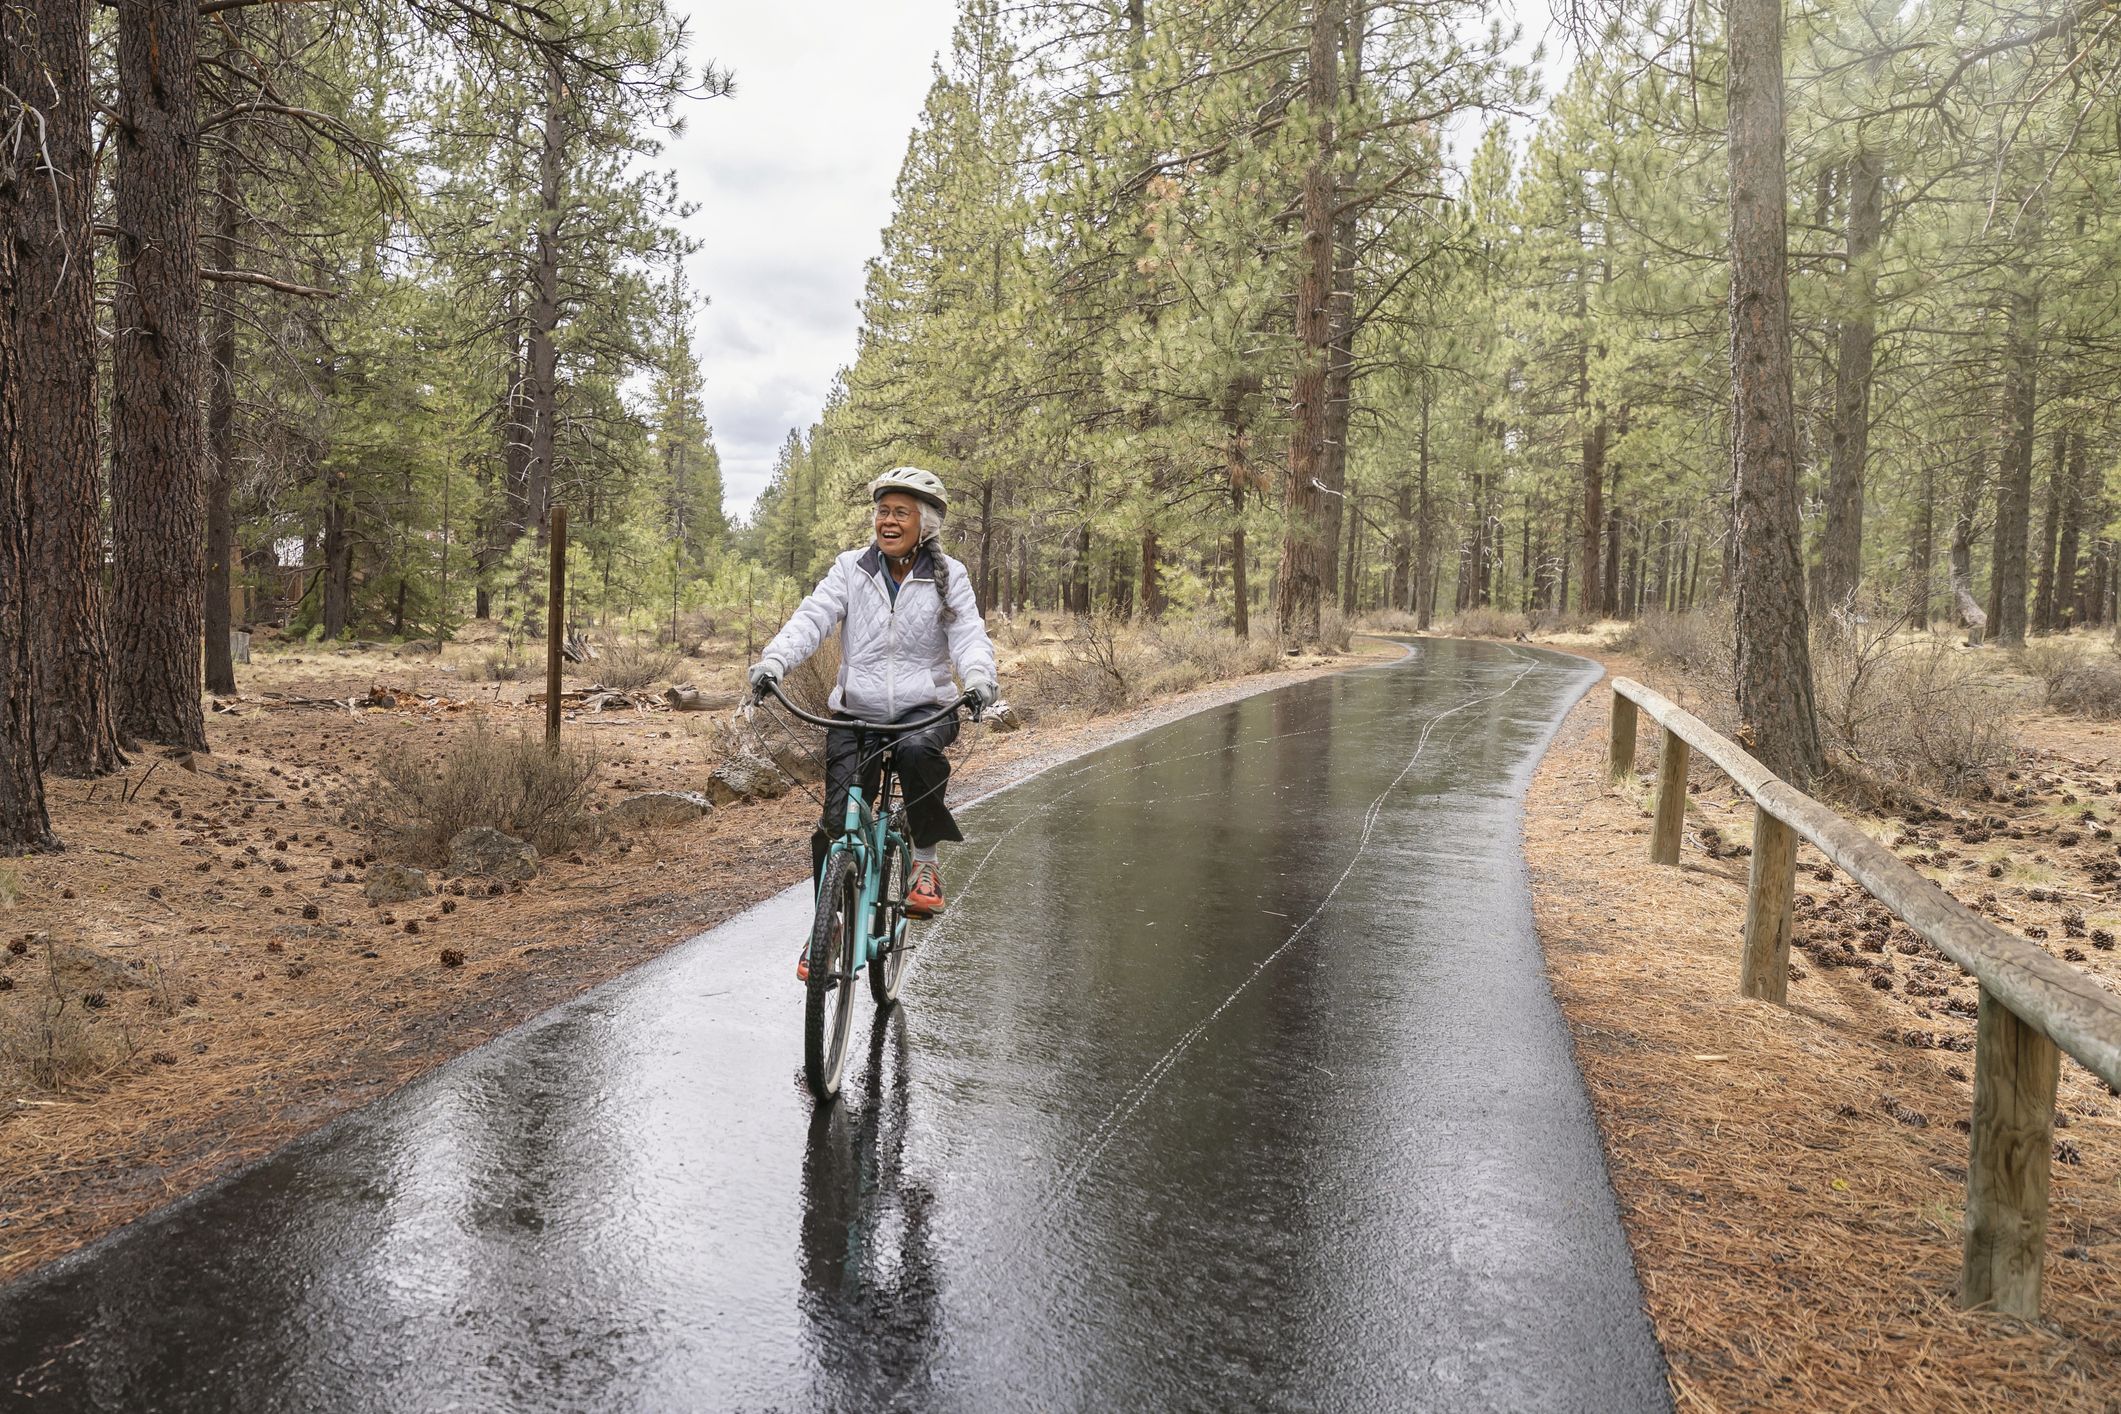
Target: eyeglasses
column 898, row 512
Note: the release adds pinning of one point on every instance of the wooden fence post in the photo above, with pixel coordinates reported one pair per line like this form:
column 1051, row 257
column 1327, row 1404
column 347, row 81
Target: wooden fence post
column 555, row 624
column 1768, row 904
column 1671, row 800
column 1620, row 749
column 2015, row 1070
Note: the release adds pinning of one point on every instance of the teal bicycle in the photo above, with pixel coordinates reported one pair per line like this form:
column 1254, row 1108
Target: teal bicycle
column 861, row 923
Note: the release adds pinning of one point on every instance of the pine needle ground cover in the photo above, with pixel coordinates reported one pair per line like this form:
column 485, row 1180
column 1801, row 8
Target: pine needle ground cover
column 1792, row 1179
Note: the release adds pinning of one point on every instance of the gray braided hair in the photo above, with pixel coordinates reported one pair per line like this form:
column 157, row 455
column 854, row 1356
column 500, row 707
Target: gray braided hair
column 932, row 537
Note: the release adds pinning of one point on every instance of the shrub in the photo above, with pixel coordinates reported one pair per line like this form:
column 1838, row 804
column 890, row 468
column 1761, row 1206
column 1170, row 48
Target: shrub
column 1485, row 622
column 1390, row 621
column 1700, row 642
column 500, row 665
column 631, row 666
column 2074, row 681
column 1561, row 621
column 1901, row 716
column 1190, row 654
column 1334, row 630
column 811, row 681
column 516, row 784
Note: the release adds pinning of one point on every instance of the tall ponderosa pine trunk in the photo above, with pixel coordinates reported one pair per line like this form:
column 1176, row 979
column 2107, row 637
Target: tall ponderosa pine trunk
column 2050, row 527
column 1775, row 706
column 2066, row 610
column 1300, row 582
column 1343, row 519
column 221, row 435
column 1424, row 523
column 158, row 449
column 55, row 347
column 1841, row 544
column 1921, row 549
column 2014, row 482
column 24, row 826
column 542, row 364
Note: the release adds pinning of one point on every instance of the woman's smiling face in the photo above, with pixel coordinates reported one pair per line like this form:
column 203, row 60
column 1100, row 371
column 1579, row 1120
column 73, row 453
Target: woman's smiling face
column 898, row 523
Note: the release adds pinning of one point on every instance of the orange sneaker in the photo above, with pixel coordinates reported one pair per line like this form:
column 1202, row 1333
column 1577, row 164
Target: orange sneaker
column 924, row 898
column 802, row 966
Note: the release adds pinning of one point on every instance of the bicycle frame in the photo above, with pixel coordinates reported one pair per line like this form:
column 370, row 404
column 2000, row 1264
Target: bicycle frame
column 867, row 834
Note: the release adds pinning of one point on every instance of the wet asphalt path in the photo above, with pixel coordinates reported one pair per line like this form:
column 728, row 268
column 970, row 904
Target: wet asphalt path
column 1231, row 1081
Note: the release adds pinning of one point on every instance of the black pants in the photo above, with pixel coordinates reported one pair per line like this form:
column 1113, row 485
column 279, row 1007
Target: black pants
column 923, row 771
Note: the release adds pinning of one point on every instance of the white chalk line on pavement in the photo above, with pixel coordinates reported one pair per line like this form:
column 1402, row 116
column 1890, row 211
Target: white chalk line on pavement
column 1131, row 1100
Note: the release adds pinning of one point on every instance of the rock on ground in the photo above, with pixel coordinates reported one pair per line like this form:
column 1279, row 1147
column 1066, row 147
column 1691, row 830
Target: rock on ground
column 657, row 809
column 486, row 851
column 746, row 778
column 396, row 883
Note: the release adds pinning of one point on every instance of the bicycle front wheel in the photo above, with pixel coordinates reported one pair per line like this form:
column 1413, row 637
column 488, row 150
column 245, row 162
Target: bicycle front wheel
column 828, row 1003
column 888, row 967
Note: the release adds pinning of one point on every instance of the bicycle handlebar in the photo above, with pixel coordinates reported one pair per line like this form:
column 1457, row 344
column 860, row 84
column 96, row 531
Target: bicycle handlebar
column 891, row 728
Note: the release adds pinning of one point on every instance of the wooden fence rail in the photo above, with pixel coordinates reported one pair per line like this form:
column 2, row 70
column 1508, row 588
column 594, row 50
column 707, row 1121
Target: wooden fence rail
column 2032, row 1005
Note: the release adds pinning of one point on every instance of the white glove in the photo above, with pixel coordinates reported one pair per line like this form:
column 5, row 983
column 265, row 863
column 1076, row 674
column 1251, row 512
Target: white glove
column 764, row 674
column 983, row 692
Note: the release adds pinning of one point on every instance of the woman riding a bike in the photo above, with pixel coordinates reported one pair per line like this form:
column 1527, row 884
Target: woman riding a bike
column 908, row 617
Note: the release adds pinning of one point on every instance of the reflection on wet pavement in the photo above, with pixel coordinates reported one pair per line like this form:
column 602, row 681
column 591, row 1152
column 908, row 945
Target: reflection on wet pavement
column 1230, row 1080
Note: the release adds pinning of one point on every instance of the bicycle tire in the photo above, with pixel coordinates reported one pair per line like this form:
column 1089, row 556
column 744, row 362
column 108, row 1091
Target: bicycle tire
column 888, row 969
column 828, row 999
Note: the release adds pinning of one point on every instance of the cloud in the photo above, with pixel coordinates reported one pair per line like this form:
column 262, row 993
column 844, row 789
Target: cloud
column 793, row 177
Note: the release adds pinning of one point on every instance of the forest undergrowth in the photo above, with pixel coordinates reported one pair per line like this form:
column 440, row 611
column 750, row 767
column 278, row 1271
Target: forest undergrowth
column 1791, row 1180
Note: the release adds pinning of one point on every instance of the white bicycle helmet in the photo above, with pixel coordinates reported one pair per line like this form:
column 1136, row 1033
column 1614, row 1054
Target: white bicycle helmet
column 919, row 484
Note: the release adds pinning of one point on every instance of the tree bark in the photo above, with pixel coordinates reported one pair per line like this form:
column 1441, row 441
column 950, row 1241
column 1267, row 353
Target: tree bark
column 2014, row 486
column 54, row 335
column 542, row 373
column 1424, row 524
column 1342, row 517
column 1922, row 551
column 1593, row 527
column 1300, row 581
column 221, row 437
column 1775, row 706
column 2050, row 527
column 158, row 451
column 2066, row 605
column 24, row 825
column 1970, row 611
column 1841, row 545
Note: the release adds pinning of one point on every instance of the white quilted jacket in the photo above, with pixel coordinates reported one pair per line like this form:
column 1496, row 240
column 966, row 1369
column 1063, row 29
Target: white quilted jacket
column 893, row 655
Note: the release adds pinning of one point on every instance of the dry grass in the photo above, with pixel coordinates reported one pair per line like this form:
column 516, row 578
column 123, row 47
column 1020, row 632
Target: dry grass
column 495, row 665
column 51, row 1035
column 1903, row 716
column 1106, row 664
column 1792, row 1179
column 1485, row 622
column 811, row 681
column 514, row 783
column 630, row 667
column 2076, row 679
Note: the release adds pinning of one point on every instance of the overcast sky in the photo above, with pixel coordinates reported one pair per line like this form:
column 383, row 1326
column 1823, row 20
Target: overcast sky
column 793, row 178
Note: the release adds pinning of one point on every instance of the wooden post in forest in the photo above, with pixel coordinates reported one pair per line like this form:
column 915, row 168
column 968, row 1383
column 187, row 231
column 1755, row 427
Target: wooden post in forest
column 1671, row 800
column 1770, row 900
column 2015, row 1070
column 555, row 624
column 1620, row 746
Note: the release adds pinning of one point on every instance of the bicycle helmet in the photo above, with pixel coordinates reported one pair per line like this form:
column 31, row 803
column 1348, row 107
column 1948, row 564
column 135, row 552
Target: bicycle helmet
column 919, row 484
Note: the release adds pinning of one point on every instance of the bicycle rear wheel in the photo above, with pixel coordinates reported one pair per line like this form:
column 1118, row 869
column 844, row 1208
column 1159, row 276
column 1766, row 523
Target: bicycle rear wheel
column 888, row 967
column 828, row 1002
